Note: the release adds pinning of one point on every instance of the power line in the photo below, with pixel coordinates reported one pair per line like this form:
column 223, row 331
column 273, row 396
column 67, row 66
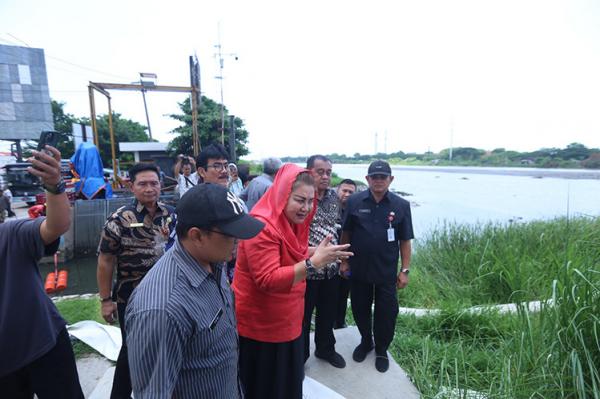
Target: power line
column 86, row 68
column 16, row 38
column 31, row 90
column 9, row 42
column 60, row 68
column 63, row 60
column 70, row 91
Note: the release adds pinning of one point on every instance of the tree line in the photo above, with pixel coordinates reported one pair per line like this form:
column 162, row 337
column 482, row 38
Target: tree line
column 574, row 155
column 126, row 130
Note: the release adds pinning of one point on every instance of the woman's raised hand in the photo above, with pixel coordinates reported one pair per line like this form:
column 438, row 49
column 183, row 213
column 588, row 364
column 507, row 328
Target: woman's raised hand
column 326, row 253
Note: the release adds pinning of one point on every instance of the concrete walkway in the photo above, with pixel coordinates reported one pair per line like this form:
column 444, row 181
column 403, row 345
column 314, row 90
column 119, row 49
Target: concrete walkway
column 357, row 380
column 104, row 386
column 91, row 369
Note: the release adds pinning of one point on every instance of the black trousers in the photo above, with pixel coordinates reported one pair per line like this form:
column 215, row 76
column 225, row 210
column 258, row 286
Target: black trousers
column 54, row 375
column 383, row 324
column 121, row 387
column 271, row 370
column 322, row 295
column 342, row 303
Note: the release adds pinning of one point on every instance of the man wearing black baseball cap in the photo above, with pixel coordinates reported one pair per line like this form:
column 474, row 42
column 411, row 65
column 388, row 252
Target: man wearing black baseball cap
column 378, row 225
column 379, row 168
column 181, row 327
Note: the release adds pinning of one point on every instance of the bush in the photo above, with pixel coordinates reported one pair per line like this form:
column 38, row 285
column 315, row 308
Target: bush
column 593, row 162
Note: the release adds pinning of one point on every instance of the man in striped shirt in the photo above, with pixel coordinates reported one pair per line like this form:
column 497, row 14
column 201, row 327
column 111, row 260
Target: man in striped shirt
column 181, row 327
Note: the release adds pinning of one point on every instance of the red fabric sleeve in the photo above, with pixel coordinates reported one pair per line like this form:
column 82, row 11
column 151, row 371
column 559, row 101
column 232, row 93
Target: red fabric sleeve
column 265, row 264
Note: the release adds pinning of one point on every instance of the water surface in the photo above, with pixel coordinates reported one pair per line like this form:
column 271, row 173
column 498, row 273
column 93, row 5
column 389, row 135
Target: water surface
column 472, row 195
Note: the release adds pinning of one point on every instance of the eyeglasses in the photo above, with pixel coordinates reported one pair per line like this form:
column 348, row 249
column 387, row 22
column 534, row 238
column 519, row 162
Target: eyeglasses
column 218, row 166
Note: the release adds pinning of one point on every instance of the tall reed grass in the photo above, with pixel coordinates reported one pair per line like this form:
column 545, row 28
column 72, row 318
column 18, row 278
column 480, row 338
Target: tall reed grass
column 496, row 263
column 553, row 353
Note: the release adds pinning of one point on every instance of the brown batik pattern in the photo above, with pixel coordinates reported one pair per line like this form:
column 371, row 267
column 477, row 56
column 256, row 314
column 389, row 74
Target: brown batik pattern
column 138, row 241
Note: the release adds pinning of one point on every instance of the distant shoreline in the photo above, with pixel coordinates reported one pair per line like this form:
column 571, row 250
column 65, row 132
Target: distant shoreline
column 508, row 171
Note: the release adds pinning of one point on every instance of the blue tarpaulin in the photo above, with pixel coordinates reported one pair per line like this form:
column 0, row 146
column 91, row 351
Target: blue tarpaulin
column 88, row 165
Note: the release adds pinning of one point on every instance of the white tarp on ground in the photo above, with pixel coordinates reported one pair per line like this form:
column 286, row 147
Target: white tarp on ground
column 533, row 306
column 103, row 338
column 312, row 389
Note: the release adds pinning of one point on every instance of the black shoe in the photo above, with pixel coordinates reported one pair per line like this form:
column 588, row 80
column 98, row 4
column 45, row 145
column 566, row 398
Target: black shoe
column 360, row 353
column 335, row 359
column 382, row 363
column 337, row 326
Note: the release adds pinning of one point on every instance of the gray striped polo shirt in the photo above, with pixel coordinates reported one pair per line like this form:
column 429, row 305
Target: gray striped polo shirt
column 181, row 332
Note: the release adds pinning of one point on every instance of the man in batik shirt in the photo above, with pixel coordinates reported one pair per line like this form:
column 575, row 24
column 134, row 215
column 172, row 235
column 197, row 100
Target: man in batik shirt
column 133, row 238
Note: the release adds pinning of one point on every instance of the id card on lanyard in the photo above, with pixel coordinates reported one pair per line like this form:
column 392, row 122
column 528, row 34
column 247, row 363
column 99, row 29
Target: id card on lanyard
column 391, row 234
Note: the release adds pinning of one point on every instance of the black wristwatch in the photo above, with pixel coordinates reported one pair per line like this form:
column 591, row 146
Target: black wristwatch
column 59, row 188
column 405, row 271
column 310, row 268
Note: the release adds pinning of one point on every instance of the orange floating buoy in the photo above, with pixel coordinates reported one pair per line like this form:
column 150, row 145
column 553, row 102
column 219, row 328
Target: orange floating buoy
column 36, row 211
column 61, row 282
column 50, row 285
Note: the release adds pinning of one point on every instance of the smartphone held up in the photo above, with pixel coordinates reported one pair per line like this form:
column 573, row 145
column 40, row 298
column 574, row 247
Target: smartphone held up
column 47, row 138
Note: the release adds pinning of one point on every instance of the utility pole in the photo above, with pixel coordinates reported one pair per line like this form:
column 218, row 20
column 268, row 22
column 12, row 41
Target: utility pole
column 385, row 142
column 220, row 77
column 232, row 152
column 451, row 138
column 147, row 117
column 145, row 83
column 196, row 100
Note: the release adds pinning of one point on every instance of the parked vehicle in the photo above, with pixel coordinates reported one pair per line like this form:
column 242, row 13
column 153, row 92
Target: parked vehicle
column 24, row 186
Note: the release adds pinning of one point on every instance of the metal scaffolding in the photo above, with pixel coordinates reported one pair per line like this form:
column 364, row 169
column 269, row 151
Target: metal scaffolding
column 103, row 88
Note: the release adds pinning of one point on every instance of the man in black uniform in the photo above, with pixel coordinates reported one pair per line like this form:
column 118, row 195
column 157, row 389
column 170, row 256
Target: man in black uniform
column 378, row 226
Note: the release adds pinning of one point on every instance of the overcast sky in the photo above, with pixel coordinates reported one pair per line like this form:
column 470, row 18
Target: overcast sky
column 331, row 76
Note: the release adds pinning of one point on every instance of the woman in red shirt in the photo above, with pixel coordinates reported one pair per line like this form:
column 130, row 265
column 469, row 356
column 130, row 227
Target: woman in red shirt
column 269, row 286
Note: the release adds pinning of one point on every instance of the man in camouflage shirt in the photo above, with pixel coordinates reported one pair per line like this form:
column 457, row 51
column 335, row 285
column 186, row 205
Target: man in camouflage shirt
column 322, row 285
column 134, row 238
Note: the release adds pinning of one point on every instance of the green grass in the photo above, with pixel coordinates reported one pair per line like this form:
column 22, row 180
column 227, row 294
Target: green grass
column 74, row 310
column 554, row 353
